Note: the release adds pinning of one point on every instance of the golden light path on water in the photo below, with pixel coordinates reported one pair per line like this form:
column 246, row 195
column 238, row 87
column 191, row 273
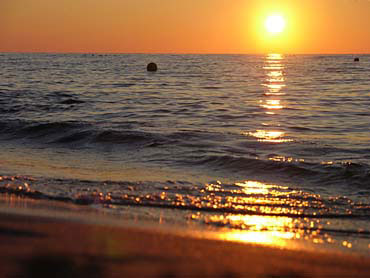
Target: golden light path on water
column 264, row 214
column 255, row 228
column 269, row 136
column 259, row 230
column 278, row 231
column 273, row 84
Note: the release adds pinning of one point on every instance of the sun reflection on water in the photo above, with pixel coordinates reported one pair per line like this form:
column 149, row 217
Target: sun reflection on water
column 272, row 102
column 268, row 214
column 274, row 56
column 275, row 80
column 276, row 231
column 269, row 136
column 253, row 187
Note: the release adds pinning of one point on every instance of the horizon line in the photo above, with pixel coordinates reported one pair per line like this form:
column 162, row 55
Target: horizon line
column 178, row 53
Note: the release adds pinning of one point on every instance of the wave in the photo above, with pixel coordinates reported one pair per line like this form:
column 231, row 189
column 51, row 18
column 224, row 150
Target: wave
column 200, row 149
column 72, row 131
column 244, row 198
column 354, row 175
column 71, row 101
column 32, row 130
column 247, row 205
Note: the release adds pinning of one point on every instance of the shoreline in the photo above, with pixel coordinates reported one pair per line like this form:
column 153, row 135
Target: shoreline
column 36, row 244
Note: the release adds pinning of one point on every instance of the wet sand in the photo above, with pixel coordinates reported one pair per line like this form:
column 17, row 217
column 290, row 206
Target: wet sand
column 55, row 244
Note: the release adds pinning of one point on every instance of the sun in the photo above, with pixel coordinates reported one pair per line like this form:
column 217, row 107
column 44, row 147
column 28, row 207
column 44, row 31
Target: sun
column 275, row 24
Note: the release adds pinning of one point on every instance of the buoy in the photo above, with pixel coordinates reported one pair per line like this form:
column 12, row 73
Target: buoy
column 152, row 67
column 356, row 59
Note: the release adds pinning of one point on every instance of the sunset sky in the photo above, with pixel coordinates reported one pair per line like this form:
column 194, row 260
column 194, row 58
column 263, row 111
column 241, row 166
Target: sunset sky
column 184, row 26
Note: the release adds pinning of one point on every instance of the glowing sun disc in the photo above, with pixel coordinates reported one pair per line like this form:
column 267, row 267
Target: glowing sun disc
column 275, row 24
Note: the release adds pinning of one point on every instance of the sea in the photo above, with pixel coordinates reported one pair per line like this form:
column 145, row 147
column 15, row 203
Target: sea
column 264, row 149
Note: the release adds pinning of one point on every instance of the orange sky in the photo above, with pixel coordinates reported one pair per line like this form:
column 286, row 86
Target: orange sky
column 183, row 26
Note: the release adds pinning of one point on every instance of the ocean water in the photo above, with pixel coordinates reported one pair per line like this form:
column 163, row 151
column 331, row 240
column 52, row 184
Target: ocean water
column 271, row 149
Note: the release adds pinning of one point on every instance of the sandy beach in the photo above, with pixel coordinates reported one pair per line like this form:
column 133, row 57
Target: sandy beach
column 41, row 242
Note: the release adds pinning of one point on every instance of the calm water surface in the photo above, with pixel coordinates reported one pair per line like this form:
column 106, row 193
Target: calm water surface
column 269, row 149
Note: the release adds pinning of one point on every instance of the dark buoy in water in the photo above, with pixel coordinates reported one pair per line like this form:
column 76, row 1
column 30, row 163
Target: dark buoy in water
column 356, row 59
column 152, row 67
